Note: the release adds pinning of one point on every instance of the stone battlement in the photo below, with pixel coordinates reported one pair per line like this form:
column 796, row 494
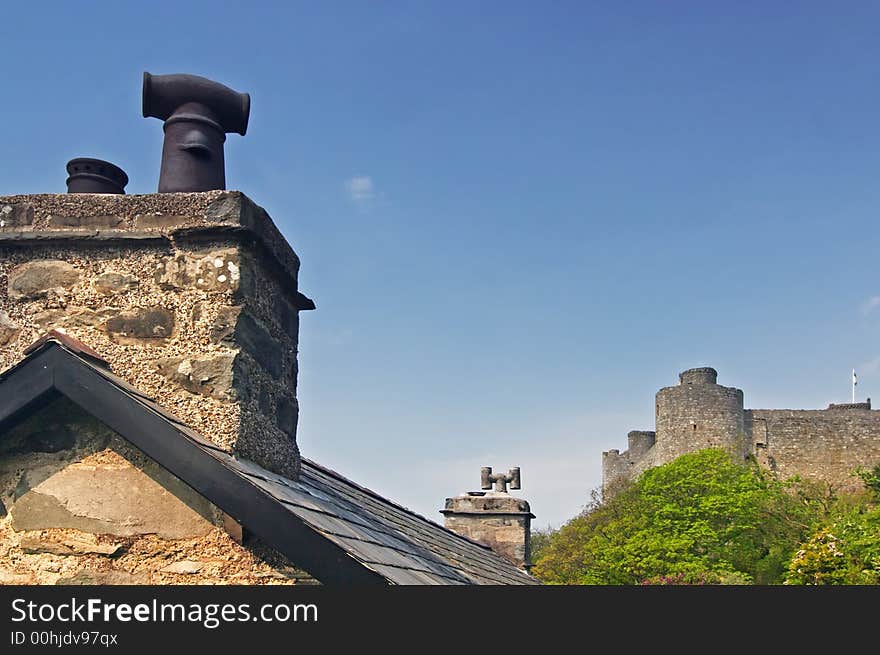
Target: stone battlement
column 705, row 375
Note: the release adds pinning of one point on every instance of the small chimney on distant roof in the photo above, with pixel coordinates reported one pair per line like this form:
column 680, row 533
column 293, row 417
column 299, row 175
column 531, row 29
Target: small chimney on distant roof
column 494, row 518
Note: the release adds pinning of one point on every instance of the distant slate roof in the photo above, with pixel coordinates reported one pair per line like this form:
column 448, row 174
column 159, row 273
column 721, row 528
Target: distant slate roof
column 338, row 531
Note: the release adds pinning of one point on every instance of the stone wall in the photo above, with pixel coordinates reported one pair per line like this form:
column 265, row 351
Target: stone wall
column 80, row 505
column 639, row 442
column 620, row 467
column 825, row 445
column 192, row 298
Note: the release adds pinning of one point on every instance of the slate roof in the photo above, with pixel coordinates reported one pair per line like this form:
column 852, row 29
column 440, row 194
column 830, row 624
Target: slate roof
column 337, row 530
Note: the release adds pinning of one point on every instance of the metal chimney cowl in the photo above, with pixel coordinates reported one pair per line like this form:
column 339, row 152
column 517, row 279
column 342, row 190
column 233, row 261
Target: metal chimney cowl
column 198, row 113
column 90, row 175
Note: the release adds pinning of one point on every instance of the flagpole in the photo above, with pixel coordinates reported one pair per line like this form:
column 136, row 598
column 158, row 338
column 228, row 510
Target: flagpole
column 854, row 387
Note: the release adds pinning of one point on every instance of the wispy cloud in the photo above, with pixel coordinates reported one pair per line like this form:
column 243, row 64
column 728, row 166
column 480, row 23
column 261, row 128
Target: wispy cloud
column 869, row 367
column 870, row 304
column 361, row 189
column 336, row 337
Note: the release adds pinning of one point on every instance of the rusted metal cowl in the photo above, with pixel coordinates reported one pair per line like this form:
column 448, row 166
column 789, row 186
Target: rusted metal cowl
column 198, row 113
column 88, row 175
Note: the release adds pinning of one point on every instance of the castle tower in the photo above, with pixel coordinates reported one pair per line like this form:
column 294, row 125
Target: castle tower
column 699, row 413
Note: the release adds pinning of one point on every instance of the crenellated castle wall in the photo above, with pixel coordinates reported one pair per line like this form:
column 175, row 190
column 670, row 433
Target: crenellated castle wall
column 823, row 445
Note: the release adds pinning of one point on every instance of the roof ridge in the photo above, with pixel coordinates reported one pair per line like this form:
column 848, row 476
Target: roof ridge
column 62, row 338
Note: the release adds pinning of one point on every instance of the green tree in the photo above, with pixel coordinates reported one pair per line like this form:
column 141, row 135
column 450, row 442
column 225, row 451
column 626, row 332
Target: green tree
column 701, row 518
column 539, row 541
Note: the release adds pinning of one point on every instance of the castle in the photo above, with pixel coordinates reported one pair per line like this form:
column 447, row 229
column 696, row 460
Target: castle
column 823, row 445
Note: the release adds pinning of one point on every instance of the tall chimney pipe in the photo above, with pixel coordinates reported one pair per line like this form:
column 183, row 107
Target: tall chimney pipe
column 198, row 113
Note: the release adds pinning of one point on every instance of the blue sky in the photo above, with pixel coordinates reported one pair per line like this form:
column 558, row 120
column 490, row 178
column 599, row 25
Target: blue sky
column 518, row 220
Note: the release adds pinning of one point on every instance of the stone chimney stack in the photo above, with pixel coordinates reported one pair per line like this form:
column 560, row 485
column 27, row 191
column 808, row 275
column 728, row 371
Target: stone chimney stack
column 494, row 517
column 190, row 296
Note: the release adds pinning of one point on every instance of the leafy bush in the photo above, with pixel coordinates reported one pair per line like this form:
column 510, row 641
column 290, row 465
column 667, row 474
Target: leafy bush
column 846, row 552
column 700, row 519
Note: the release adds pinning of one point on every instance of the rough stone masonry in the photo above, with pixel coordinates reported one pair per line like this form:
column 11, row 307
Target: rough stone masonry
column 191, row 297
column 826, row 445
column 80, row 505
